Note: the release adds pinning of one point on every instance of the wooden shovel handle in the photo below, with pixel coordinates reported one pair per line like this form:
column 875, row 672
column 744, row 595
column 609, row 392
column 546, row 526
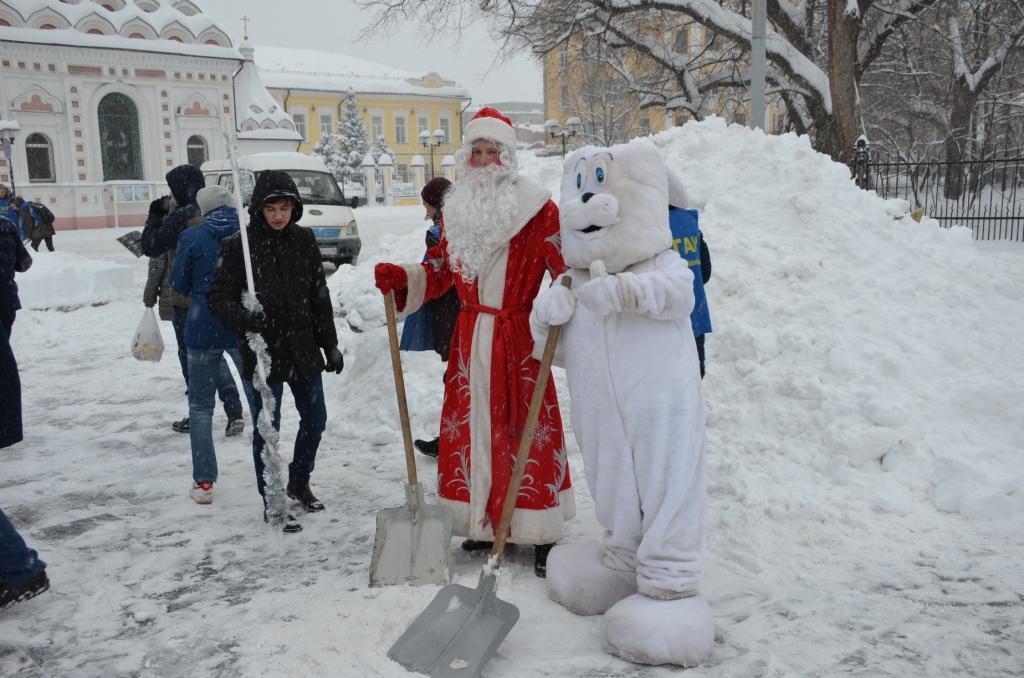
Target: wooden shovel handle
column 526, row 441
column 396, row 365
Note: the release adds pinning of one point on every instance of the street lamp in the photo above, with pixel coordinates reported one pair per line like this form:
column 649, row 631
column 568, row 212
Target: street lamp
column 572, row 127
column 431, row 141
column 8, row 131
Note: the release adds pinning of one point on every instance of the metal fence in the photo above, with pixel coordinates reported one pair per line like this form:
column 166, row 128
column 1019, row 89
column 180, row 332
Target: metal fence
column 985, row 195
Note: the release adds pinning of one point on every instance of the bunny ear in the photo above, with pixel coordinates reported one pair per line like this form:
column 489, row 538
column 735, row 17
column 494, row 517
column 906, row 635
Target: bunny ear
column 677, row 195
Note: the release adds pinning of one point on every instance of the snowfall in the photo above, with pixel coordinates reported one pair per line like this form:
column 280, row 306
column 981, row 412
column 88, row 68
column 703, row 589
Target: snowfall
column 865, row 432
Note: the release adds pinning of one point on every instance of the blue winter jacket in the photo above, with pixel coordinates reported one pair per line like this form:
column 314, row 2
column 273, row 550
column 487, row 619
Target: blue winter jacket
column 418, row 327
column 194, row 263
column 12, row 214
column 686, row 239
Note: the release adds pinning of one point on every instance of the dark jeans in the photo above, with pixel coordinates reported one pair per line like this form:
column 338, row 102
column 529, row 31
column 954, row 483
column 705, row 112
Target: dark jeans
column 226, row 389
column 48, row 240
column 18, row 562
column 309, row 401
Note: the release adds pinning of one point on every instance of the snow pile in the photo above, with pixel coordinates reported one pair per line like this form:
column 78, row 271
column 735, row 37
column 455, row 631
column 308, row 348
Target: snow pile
column 62, row 280
column 847, row 338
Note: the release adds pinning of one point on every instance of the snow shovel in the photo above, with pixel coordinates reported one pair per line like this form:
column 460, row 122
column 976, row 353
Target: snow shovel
column 413, row 541
column 461, row 629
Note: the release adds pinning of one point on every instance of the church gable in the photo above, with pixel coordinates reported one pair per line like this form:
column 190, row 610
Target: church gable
column 197, row 105
column 37, row 100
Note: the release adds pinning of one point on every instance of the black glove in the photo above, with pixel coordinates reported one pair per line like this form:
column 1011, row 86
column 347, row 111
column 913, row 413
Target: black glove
column 335, row 360
column 254, row 322
column 159, row 206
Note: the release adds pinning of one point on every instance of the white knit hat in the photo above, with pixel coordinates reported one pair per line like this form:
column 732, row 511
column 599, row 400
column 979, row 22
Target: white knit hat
column 490, row 124
column 212, row 197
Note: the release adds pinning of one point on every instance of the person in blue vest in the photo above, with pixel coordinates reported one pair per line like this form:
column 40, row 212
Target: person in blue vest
column 688, row 241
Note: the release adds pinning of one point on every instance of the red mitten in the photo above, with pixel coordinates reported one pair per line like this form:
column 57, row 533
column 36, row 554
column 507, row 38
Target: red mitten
column 392, row 278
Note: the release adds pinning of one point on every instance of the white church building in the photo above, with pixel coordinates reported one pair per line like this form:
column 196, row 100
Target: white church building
column 108, row 95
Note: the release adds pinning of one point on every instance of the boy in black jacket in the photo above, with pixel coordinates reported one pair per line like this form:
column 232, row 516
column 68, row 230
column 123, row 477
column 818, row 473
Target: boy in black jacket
column 296, row 319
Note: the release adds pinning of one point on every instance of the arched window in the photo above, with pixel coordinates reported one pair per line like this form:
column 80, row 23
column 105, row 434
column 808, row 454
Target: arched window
column 39, row 151
column 197, row 150
column 119, row 138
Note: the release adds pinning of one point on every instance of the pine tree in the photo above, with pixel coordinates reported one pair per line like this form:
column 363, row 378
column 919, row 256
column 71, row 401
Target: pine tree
column 380, row 147
column 351, row 137
column 328, row 151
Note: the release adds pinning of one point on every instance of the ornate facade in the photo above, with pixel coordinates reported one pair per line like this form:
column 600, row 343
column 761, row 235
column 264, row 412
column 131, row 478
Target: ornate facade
column 110, row 95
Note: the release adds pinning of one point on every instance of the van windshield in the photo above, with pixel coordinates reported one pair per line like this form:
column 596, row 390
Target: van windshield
column 317, row 188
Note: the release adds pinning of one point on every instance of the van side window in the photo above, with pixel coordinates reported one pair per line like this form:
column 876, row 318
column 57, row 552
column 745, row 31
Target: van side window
column 225, row 181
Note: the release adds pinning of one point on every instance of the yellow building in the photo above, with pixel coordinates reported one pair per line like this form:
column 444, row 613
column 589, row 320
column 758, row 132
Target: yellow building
column 578, row 84
column 396, row 104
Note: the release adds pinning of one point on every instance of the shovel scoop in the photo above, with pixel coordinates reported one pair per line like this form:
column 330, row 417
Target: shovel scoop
column 460, row 630
column 413, row 541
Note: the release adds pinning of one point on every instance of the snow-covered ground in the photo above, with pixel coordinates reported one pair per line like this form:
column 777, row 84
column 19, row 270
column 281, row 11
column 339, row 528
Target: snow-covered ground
column 864, row 449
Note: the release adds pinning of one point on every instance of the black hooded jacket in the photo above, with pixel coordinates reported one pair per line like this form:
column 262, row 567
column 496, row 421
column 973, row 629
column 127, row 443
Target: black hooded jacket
column 290, row 285
column 162, row 230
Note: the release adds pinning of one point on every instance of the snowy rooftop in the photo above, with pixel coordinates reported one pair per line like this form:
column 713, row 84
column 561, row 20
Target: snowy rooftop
column 175, row 26
column 282, row 67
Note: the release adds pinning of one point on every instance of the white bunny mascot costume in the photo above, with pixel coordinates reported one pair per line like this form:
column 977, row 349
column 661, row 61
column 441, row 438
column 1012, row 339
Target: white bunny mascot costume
column 637, row 408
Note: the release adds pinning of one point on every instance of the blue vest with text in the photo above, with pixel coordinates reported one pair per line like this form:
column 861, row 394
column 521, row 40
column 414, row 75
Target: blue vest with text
column 686, row 237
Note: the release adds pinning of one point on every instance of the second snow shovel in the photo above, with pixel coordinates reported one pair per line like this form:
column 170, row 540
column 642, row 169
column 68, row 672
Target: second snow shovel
column 461, row 629
column 413, row 542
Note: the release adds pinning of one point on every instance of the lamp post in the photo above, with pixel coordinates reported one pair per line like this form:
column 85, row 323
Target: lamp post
column 572, row 127
column 8, row 131
column 431, row 141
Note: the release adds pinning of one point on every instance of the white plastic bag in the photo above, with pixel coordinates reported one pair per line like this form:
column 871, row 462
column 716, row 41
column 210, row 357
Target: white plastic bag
column 147, row 343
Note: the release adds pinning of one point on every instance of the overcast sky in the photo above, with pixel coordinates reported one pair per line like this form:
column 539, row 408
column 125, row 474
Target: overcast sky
column 335, row 25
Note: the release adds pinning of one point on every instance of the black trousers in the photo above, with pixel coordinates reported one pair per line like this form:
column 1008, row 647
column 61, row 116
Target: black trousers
column 700, row 352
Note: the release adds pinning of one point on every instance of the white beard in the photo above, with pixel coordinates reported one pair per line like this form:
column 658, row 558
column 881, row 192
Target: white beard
column 480, row 216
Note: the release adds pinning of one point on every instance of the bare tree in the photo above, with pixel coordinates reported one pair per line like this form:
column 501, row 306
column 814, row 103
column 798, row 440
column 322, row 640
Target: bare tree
column 945, row 89
column 818, row 49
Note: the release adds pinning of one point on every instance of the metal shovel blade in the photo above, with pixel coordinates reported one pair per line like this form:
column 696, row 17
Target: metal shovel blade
column 458, row 632
column 413, row 542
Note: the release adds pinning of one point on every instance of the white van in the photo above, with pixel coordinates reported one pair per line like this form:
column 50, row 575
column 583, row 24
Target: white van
column 325, row 210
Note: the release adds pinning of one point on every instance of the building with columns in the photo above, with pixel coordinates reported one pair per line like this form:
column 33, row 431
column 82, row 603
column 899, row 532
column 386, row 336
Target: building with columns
column 110, row 94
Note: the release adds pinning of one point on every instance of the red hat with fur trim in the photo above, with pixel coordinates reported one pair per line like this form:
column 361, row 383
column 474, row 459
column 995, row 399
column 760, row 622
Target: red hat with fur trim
column 489, row 123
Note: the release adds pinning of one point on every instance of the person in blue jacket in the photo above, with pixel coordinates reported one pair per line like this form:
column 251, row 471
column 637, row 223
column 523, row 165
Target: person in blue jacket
column 10, row 211
column 205, row 338
column 688, row 241
column 431, row 327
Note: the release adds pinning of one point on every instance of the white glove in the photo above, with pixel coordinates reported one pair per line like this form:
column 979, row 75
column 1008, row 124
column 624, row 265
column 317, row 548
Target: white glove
column 601, row 295
column 554, row 307
column 632, row 292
